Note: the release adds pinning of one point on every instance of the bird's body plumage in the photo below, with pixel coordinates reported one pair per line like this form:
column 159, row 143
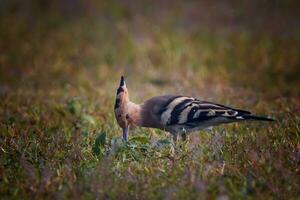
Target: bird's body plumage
column 176, row 114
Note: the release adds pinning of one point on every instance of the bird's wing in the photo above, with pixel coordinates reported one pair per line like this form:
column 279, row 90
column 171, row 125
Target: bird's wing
column 166, row 111
column 184, row 110
column 152, row 110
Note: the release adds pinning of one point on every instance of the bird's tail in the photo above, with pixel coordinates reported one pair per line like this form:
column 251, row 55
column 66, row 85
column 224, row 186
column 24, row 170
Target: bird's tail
column 258, row 118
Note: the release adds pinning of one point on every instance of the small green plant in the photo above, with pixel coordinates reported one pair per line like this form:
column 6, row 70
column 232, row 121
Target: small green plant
column 99, row 145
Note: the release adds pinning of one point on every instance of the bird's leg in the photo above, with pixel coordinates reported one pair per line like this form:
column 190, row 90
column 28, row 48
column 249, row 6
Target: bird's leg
column 175, row 138
column 210, row 128
column 184, row 135
column 125, row 133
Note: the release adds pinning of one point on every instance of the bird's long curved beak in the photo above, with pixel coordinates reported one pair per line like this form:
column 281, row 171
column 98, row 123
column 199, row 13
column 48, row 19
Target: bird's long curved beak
column 125, row 133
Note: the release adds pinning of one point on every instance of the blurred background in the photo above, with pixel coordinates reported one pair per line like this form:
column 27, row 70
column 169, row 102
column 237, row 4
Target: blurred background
column 254, row 44
column 60, row 64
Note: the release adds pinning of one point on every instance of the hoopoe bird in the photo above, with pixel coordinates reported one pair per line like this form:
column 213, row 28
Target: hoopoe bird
column 175, row 114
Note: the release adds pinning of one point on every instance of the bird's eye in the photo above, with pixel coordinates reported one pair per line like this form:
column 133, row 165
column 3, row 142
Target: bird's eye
column 127, row 116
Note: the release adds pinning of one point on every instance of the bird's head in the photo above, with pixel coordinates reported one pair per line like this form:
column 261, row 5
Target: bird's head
column 121, row 107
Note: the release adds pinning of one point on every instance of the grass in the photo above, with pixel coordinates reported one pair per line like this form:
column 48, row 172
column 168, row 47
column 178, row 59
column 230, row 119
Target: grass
column 59, row 138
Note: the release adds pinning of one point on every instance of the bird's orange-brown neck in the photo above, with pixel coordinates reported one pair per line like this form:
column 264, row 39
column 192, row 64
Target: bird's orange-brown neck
column 133, row 114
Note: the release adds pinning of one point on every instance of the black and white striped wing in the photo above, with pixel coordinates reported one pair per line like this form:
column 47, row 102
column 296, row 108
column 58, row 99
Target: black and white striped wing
column 191, row 112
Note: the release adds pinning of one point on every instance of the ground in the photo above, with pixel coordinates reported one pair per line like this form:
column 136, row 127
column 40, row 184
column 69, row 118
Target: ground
column 60, row 65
